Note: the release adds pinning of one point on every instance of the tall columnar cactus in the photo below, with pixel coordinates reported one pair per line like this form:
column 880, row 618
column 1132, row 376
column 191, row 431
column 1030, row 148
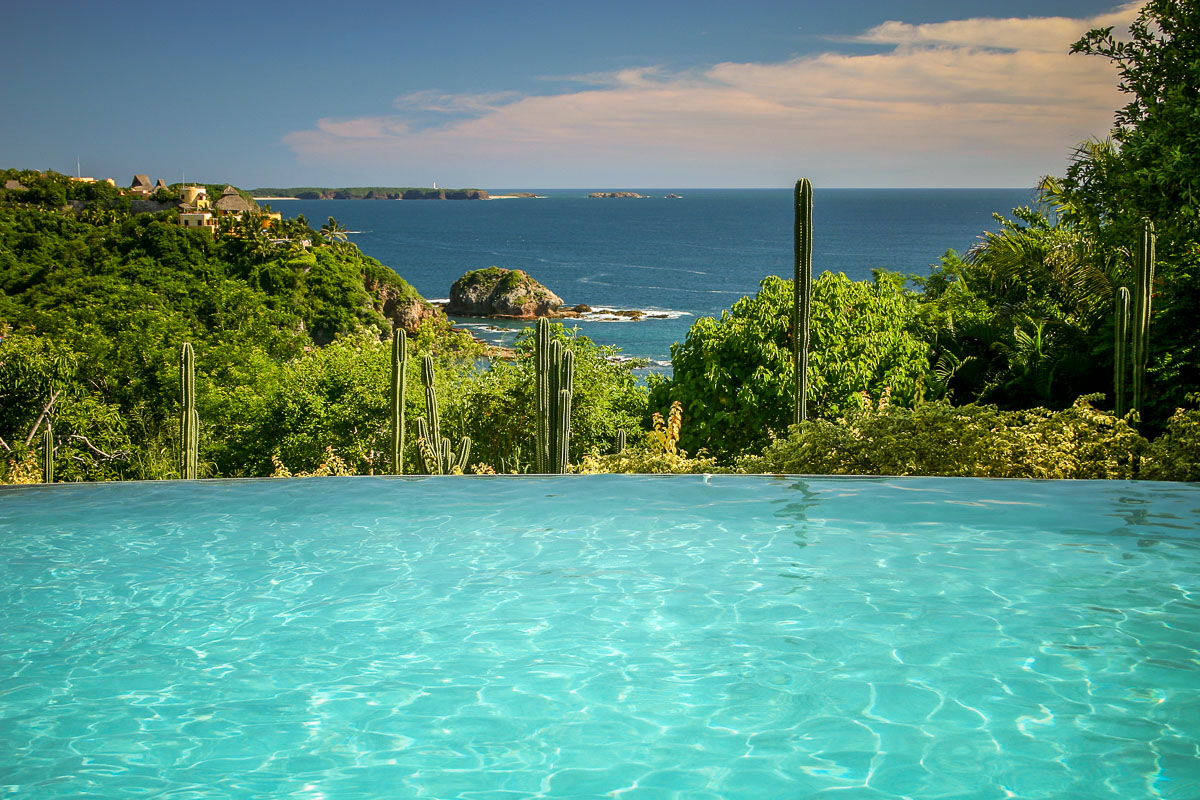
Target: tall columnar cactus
column 48, row 455
column 802, row 296
column 620, row 441
column 555, row 390
column 399, row 395
column 1120, row 350
column 437, row 457
column 1143, row 288
column 189, row 420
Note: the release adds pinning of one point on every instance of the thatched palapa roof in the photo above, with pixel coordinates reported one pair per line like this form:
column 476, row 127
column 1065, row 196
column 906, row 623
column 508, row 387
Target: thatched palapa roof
column 233, row 203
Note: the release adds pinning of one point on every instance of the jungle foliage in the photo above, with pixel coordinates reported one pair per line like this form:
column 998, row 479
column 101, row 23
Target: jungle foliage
column 291, row 350
column 95, row 303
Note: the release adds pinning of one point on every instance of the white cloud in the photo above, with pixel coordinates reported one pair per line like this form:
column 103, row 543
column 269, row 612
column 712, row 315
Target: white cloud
column 1043, row 34
column 970, row 102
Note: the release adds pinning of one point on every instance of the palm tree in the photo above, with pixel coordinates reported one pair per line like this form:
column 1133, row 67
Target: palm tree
column 1044, row 268
column 334, row 230
column 260, row 248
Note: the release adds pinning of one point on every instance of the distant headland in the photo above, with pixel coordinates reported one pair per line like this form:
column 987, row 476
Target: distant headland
column 376, row 193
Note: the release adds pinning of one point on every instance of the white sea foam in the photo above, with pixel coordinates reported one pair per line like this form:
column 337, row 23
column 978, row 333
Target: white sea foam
column 603, row 314
column 597, row 314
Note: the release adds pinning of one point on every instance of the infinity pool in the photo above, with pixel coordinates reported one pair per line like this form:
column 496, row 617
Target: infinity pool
column 622, row 637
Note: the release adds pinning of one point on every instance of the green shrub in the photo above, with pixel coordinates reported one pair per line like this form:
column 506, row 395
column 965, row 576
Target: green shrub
column 973, row 440
column 1175, row 455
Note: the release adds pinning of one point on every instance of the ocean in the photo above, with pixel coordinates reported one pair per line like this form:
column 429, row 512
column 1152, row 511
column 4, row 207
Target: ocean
column 677, row 259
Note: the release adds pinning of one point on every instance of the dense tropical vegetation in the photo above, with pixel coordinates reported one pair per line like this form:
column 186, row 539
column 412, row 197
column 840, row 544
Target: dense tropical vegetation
column 1008, row 360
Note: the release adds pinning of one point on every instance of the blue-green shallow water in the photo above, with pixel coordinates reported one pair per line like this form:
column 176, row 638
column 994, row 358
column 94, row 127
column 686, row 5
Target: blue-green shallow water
column 600, row 637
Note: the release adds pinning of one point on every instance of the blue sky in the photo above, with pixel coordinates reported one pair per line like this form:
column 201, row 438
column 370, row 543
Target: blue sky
column 556, row 94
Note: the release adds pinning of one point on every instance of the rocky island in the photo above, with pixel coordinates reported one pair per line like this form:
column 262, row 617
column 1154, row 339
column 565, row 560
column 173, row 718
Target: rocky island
column 619, row 195
column 514, row 294
column 499, row 292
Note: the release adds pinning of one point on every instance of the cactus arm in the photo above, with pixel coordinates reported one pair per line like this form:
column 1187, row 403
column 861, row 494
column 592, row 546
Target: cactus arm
column 1120, row 350
column 542, row 395
column 427, row 462
column 431, row 404
column 48, row 455
column 1143, row 289
column 566, row 394
column 398, row 397
column 464, row 452
column 802, row 296
column 189, row 419
column 555, row 411
column 564, row 430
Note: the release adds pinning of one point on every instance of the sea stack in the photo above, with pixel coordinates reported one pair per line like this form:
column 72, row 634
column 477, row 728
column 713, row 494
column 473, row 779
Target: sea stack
column 499, row 292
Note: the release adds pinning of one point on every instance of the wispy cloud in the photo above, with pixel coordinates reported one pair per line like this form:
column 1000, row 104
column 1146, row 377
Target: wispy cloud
column 1042, row 34
column 970, row 102
column 443, row 103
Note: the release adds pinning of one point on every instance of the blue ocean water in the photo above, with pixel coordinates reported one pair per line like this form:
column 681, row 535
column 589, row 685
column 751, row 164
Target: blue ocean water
column 682, row 258
column 609, row 636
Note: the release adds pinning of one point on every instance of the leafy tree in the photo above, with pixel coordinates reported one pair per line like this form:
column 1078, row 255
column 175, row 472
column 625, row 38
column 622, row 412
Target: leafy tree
column 734, row 376
column 1156, row 172
column 41, row 384
column 1152, row 171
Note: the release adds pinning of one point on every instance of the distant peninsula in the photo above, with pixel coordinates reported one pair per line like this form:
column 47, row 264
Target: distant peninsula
column 369, row 193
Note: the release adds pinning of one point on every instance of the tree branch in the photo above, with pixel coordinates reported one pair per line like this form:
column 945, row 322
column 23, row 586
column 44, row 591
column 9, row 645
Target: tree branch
column 42, row 416
column 119, row 454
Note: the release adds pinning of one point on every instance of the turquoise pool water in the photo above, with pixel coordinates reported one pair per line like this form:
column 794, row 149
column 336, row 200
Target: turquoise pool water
column 623, row 637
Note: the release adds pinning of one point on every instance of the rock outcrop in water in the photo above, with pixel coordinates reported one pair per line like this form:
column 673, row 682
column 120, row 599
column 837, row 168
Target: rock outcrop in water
column 499, row 292
column 618, row 195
